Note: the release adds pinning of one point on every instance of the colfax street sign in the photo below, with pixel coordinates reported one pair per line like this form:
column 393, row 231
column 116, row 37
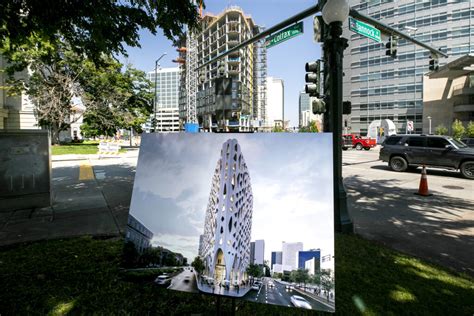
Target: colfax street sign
column 284, row 35
column 364, row 29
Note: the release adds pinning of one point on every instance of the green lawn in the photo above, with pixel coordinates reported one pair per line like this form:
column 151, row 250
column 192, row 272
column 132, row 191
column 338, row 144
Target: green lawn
column 81, row 276
column 86, row 148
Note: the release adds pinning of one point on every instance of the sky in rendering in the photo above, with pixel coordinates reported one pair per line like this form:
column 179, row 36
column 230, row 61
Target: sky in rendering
column 286, row 60
column 291, row 179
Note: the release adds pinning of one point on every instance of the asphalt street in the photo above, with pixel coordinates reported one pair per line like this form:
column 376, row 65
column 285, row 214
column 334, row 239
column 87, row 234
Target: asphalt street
column 185, row 281
column 279, row 295
column 382, row 203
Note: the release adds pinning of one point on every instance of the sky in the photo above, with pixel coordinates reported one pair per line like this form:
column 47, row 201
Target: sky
column 286, row 60
column 291, row 179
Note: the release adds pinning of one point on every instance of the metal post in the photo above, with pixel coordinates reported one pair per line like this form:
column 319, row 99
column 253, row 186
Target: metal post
column 154, row 99
column 336, row 45
column 429, row 127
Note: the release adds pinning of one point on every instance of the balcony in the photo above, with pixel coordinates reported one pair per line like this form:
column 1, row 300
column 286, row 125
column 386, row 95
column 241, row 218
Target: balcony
column 468, row 107
column 462, row 90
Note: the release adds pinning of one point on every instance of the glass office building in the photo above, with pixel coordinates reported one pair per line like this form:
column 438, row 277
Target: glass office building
column 381, row 87
column 167, row 88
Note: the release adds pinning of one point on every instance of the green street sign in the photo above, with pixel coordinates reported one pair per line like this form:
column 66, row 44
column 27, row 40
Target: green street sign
column 284, row 35
column 364, row 29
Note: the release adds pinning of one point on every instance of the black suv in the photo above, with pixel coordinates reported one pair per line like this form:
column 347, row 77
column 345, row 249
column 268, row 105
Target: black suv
column 404, row 151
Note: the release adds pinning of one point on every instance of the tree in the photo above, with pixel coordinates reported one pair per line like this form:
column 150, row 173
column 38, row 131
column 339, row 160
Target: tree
column 114, row 98
column 300, row 276
column 327, row 282
column 130, row 255
column 311, row 128
column 266, row 265
column 92, row 28
column 441, row 130
column 278, row 129
column 198, row 264
column 458, row 129
column 254, row 270
column 470, row 129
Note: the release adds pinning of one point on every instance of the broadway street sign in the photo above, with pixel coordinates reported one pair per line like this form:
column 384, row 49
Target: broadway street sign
column 364, row 29
column 284, row 35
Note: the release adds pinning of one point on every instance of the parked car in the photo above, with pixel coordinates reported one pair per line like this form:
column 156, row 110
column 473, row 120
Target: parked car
column 300, row 302
column 404, row 151
column 468, row 141
column 163, row 279
column 357, row 142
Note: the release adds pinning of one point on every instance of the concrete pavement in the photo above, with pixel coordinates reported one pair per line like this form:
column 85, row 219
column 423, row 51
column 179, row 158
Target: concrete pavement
column 91, row 196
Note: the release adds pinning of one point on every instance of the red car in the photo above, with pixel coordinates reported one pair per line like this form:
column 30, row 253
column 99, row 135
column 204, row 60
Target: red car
column 357, row 142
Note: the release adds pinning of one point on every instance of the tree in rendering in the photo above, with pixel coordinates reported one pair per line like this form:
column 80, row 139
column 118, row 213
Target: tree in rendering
column 327, row 282
column 470, row 129
column 300, row 276
column 458, row 129
column 254, row 270
column 441, row 130
column 198, row 264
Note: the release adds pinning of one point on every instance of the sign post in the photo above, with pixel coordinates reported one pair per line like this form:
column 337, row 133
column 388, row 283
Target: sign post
column 364, row 29
column 284, row 34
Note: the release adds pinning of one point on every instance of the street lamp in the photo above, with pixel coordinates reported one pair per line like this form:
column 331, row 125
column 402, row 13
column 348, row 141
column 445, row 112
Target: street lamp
column 334, row 13
column 429, row 126
column 154, row 99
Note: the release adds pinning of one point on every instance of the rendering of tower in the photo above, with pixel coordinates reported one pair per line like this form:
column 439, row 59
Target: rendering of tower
column 226, row 240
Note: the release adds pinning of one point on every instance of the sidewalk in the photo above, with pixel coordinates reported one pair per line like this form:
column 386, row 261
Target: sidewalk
column 130, row 153
column 216, row 289
column 97, row 206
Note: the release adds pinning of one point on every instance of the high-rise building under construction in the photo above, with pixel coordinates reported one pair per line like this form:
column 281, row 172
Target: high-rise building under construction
column 223, row 95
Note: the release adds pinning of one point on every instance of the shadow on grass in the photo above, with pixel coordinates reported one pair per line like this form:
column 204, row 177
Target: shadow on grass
column 437, row 228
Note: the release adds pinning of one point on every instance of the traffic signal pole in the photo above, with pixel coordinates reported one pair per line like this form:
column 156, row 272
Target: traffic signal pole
column 334, row 46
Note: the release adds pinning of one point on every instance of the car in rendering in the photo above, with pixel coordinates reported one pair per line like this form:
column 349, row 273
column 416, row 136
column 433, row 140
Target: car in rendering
column 256, row 286
column 163, row 280
column 300, row 302
column 413, row 150
column 468, row 141
column 271, row 284
column 187, row 279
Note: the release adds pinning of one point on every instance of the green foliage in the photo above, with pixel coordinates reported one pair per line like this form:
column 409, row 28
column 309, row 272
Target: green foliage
column 311, row 128
column 93, row 28
column 470, row 129
column 299, row 276
column 458, row 129
column 278, row 129
column 130, row 255
column 441, row 130
column 254, row 270
column 198, row 264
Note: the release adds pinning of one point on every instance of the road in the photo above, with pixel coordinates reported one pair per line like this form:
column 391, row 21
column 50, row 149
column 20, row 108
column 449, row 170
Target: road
column 185, row 281
column 383, row 206
column 279, row 295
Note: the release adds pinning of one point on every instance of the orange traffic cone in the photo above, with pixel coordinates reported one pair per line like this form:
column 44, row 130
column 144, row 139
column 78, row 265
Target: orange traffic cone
column 423, row 189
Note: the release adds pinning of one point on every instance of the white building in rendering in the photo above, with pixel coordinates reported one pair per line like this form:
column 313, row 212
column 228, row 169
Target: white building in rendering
column 290, row 254
column 227, row 229
column 312, row 266
column 275, row 97
column 167, row 105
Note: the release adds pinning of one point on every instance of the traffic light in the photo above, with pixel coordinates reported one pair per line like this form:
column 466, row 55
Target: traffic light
column 313, row 70
column 346, row 107
column 392, row 47
column 318, row 105
column 434, row 62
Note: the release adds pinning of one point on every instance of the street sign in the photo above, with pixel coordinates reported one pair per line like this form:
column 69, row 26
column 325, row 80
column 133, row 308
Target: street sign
column 410, row 126
column 284, row 35
column 364, row 29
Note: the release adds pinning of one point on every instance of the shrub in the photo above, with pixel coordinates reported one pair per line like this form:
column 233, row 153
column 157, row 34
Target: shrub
column 458, row 129
column 441, row 130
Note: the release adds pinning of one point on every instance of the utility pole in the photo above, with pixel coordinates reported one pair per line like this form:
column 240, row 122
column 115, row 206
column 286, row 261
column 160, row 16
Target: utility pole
column 154, row 99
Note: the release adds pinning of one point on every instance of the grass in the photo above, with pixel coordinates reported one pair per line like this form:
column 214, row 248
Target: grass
column 85, row 148
column 82, row 276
